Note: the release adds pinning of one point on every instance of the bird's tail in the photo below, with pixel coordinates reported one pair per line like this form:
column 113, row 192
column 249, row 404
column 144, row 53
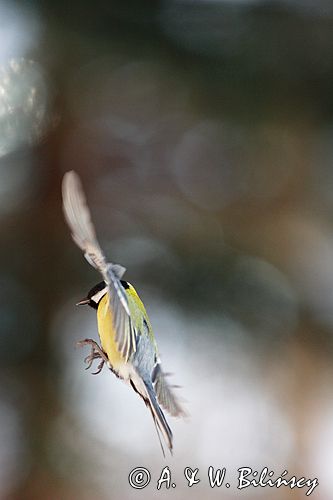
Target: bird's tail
column 160, row 422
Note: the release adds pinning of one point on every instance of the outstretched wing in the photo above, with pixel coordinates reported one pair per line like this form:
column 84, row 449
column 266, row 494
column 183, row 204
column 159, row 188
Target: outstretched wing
column 77, row 215
column 164, row 393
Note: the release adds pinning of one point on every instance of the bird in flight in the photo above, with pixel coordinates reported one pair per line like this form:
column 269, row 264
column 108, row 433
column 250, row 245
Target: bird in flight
column 127, row 343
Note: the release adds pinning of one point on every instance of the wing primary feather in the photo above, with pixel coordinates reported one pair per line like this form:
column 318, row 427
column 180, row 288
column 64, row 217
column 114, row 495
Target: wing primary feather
column 117, row 287
column 165, row 394
column 133, row 337
column 78, row 217
column 76, row 211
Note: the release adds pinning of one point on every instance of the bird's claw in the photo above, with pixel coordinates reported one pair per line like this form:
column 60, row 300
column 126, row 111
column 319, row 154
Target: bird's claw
column 99, row 368
column 90, row 358
column 96, row 353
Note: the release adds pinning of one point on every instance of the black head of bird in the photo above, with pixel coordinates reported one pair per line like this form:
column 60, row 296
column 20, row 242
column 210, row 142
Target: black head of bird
column 94, row 295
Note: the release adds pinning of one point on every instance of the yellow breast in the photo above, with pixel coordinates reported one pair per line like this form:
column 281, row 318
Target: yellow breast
column 107, row 333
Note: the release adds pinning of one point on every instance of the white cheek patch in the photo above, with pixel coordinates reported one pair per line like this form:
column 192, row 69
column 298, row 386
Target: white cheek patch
column 97, row 297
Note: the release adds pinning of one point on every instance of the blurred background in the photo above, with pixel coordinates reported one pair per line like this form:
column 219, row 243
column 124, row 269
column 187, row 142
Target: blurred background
column 203, row 134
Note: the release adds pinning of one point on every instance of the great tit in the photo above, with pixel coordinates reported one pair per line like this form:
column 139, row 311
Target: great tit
column 128, row 345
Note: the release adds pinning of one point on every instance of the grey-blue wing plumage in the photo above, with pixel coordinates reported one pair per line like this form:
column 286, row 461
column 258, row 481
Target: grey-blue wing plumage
column 149, row 367
column 165, row 394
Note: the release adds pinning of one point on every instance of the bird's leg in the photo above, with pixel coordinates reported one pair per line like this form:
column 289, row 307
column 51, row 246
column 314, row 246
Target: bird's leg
column 96, row 353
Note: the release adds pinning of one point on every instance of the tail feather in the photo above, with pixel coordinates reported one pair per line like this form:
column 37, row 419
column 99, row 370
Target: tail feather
column 158, row 432
column 158, row 416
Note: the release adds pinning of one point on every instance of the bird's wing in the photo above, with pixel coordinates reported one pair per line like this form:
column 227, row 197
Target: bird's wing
column 78, row 218
column 164, row 393
column 126, row 334
column 77, row 215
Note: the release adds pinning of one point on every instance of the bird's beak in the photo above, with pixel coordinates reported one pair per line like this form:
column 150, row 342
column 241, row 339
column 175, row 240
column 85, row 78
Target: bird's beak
column 83, row 302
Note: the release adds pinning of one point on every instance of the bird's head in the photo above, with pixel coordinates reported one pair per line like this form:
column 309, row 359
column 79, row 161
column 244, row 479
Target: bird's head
column 94, row 295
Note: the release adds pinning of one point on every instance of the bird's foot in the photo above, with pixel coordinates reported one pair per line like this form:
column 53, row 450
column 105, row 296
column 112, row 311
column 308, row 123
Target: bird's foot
column 96, row 353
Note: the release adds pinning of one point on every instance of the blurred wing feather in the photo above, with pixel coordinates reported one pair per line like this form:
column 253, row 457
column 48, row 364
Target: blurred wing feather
column 77, row 215
column 165, row 394
column 78, row 218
